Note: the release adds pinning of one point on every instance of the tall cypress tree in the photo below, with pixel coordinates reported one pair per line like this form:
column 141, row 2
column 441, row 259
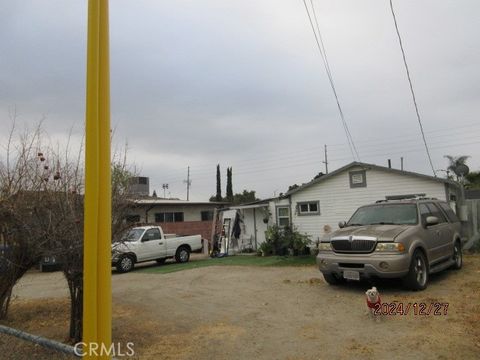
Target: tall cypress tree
column 229, row 185
column 218, row 197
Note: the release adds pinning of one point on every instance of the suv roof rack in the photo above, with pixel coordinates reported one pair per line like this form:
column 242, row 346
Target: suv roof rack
column 405, row 197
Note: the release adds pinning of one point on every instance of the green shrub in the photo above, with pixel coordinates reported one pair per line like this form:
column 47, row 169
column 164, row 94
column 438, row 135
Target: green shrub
column 266, row 248
column 282, row 241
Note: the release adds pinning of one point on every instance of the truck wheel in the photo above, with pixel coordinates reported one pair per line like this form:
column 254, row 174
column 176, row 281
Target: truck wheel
column 161, row 261
column 457, row 256
column 333, row 279
column 125, row 264
column 417, row 277
column 182, row 255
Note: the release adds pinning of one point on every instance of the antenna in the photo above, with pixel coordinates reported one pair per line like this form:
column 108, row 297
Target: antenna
column 326, row 161
column 188, row 182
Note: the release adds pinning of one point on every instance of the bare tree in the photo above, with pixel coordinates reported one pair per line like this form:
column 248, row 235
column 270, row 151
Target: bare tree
column 42, row 214
column 21, row 234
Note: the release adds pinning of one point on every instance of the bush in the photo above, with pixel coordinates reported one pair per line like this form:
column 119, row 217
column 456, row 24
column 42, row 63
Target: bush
column 282, row 241
column 266, row 249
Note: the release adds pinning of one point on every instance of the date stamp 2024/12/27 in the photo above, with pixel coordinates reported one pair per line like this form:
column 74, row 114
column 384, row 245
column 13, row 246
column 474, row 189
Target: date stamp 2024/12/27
column 416, row 309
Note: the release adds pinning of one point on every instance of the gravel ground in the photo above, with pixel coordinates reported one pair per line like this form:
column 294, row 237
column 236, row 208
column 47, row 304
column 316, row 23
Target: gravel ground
column 264, row 313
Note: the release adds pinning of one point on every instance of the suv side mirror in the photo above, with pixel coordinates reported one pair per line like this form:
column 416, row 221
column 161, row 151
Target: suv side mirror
column 431, row 220
column 342, row 224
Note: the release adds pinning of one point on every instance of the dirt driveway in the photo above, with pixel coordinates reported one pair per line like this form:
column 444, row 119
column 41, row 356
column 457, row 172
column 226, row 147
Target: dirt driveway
column 268, row 313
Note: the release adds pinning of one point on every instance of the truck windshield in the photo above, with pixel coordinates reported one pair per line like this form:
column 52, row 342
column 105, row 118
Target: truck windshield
column 133, row 235
column 395, row 214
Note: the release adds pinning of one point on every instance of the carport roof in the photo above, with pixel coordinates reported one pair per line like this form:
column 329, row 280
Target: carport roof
column 175, row 202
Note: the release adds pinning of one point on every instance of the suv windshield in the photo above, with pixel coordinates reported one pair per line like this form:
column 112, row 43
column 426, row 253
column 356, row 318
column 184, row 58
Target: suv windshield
column 396, row 214
column 133, row 235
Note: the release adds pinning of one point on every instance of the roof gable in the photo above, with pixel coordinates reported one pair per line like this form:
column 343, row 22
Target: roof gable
column 367, row 167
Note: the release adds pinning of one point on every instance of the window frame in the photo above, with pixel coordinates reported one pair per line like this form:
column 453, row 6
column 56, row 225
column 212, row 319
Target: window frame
column 289, row 216
column 208, row 217
column 151, row 230
column 442, row 218
column 450, row 214
column 161, row 217
column 308, row 212
column 363, row 184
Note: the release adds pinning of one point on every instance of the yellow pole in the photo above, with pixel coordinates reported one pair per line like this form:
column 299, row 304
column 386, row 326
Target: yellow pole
column 97, row 223
column 104, row 259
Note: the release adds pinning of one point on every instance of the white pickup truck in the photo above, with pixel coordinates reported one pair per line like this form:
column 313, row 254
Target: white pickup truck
column 148, row 243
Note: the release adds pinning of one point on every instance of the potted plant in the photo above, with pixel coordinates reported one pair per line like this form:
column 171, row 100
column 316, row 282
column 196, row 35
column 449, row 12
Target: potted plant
column 266, row 215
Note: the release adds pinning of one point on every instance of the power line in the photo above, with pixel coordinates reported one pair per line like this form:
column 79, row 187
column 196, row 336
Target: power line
column 306, row 161
column 411, row 88
column 304, row 164
column 370, row 146
column 323, row 54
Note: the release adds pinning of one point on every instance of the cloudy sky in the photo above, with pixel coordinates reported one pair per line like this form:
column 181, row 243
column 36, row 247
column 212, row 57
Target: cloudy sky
column 241, row 83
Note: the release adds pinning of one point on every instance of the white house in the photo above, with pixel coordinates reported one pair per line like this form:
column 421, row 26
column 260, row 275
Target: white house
column 335, row 196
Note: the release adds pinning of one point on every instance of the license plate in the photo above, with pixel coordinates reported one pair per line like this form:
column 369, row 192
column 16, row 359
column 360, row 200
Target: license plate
column 351, row 275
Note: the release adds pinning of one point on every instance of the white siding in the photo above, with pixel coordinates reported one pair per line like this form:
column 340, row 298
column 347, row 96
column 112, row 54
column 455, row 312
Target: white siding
column 250, row 225
column 338, row 201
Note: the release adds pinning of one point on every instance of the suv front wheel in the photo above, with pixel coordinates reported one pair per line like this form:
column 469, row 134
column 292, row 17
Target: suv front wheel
column 417, row 277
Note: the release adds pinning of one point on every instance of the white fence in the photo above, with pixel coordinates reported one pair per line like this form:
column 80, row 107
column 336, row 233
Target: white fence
column 472, row 226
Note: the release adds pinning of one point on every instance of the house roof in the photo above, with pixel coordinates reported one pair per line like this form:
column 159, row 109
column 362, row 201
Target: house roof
column 369, row 166
column 156, row 201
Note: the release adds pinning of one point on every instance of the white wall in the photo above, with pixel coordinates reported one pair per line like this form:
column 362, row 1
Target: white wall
column 338, row 201
column 251, row 224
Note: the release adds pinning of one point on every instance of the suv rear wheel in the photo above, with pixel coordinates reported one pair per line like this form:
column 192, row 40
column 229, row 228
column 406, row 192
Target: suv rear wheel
column 457, row 256
column 417, row 277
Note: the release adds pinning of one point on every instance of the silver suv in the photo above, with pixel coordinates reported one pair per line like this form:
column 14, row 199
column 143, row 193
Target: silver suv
column 406, row 238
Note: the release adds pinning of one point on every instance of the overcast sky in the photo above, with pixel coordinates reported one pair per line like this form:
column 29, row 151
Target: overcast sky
column 241, row 83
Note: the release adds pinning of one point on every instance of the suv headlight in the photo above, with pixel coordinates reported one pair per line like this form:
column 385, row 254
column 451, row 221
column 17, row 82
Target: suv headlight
column 324, row 246
column 390, row 247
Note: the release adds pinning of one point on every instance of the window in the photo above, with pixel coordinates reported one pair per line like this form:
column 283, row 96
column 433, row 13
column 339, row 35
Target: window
column 308, row 208
column 437, row 212
column 283, row 216
column 358, row 178
column 206, row 215
column 133, row 218
column 178, row 217
column 430, row 209
column 452, row 217
column 424, row 213
column 169, row 217
column 152, row 234
column 143, row 180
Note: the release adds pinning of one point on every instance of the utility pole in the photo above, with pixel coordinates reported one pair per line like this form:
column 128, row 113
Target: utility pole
column 188, row 182
column 326, row 161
